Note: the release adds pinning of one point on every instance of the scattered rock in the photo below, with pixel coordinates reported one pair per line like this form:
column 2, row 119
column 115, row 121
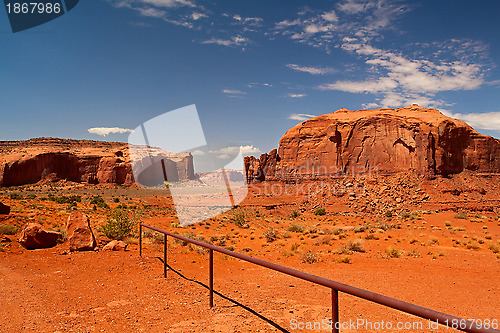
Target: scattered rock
column 35, row 236
column 79, row 233
column 4, row 209
column 115, row 245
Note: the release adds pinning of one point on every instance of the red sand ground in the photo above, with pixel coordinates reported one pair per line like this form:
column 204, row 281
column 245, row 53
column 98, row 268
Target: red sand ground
column 51, row 290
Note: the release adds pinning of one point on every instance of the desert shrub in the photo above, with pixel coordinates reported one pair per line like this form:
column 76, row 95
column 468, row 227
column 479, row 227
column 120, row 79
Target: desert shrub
column 295, row 214
column 495, row 248
column 388, row 214
column 31, row 196
column 392, row 252
column 362, row 228
column 7, row 229
column 118, row 225
column 472, row 245
column 345, row 260
column 65, row 199
column 286, row 235
column 238, row 218
column 246, row 249
column 296, row 228
column 309, row 258
column 351, row 246
column 99, row 202
column 433, row 241
column 326, row 240
column 16, row 196
column 462, row 215
column 295, row 247
column 271, row 235
column 116, row 200
column 319, row 211
column 371, row 236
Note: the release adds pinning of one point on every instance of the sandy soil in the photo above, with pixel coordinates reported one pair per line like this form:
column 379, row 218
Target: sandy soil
column 441, row 260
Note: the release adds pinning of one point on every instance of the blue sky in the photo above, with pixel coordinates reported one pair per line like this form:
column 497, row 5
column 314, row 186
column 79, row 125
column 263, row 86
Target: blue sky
column 253, row 68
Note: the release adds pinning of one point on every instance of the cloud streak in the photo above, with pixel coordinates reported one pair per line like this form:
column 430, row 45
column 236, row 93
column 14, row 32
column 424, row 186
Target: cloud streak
column 312, row 70
column 300, row 116
column 104, row 131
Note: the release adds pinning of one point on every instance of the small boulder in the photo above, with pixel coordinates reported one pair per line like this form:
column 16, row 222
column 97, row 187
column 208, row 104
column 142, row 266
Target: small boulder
column 115, row 245
column 4, row 209
column 35, row 236
column 79, row 234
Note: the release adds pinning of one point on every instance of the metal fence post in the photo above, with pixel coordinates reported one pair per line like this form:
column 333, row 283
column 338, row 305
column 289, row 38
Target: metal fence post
column 140, row 240
column 165, row 256
column 335, row 311
column 211, row 277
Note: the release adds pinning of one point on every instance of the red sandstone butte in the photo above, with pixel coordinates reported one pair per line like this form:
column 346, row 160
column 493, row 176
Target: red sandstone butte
column 82, row 161
column 413, row 138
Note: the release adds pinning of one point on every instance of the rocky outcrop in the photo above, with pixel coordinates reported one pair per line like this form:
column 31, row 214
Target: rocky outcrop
column 4, row 209
column 416, row 139
column 35, row 236
column 80, row 236
column 83, row 161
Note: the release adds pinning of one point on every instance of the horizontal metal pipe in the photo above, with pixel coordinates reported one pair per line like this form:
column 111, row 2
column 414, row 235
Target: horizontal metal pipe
column 441, row 318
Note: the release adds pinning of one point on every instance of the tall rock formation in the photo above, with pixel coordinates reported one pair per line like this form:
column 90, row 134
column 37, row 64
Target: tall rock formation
column 92, row 162
column 412, row 138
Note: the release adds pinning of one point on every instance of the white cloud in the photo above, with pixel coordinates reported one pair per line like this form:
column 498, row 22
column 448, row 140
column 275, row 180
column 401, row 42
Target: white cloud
column 198, row 153
column 297, row 95
column 233, row 151
column 232, row 42
column 330, row 16
column 248, row 150
column 300, row 116
column 487, row 120
column 233, row 92
column 254, row 84
column 103, row 131
column 151, row 12
column 312, row 70
column 403, row 80
column 168, row 3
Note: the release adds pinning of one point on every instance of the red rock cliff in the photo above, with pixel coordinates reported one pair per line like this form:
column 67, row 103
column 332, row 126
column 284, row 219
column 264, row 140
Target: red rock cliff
column 413, row 138
column 93, row 162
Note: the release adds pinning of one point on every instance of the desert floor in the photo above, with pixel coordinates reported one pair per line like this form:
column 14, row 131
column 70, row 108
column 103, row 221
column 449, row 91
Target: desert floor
column 442, row 259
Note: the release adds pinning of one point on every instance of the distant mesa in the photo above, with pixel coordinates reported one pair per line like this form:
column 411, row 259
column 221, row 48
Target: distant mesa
column 416, row 139
column 81, row 161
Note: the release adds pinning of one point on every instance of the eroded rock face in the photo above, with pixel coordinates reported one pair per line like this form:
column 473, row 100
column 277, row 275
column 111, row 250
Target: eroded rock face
column 35, row 236
column 92, row 162
column 4, row 209
column 413, row 138
column 79, row 233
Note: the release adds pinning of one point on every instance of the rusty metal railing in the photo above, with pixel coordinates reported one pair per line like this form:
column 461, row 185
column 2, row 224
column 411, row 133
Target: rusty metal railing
column 336, row 287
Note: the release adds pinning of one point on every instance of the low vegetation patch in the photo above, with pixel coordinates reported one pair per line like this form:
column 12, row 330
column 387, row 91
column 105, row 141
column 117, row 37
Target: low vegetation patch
column 356, row 245
column 296, row 228
column 320, row 211
column 392, row 252
column 118, row 225
column 309, row 258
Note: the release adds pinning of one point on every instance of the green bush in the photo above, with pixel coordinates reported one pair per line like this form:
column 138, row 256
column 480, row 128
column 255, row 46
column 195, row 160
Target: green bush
column 388, row 214
column 320, row 212
column 16, row 196
column 72, row 200
column 99, row 202
column 119, row 225
column 295, row 214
